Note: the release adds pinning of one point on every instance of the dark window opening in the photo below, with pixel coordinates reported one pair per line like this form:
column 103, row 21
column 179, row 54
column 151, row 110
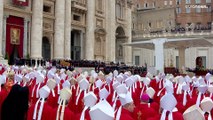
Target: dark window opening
column 46, row 8
column 76, row 17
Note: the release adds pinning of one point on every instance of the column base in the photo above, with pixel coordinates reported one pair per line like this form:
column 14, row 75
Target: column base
column 3, row 61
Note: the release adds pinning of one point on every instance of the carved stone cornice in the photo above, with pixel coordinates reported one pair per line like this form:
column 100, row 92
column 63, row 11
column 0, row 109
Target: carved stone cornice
column 79, row 7
column 15, row 9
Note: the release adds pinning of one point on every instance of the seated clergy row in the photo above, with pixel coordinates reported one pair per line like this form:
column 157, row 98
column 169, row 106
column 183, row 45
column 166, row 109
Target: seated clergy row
column 66, row 95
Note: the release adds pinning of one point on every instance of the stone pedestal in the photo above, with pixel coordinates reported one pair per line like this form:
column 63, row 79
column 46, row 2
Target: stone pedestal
column 3, row 61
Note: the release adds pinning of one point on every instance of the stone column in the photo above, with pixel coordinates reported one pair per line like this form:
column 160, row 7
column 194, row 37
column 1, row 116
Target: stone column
column 181, row 51
column 82, row 44
column 212, row 27
column 1, row 26
column 128, row 49
column 159, row 54
column 90, row 29
column 25, row 36
column 107, row 46
column 37, row 29
column 59, row 29
column 111, row 31
column 67, row 33
column 4, row 34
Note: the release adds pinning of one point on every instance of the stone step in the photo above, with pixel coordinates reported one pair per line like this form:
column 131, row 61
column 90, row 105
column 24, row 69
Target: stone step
column 3, row 61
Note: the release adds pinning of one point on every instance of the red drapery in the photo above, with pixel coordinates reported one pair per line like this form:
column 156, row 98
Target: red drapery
column 14, row 23
column 21, row 2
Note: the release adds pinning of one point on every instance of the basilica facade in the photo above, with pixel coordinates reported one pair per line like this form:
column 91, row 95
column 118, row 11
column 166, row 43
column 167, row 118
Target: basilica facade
column 98, row 30
column 66, row 29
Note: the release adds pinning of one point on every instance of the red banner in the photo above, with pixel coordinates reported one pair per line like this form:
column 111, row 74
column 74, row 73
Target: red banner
column 15, row 35
column 21, row 2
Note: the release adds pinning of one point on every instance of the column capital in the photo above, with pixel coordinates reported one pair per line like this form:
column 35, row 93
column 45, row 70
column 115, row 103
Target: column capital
column 26, row 19
column 159, row 41
column 181, row 48
column 6, row 16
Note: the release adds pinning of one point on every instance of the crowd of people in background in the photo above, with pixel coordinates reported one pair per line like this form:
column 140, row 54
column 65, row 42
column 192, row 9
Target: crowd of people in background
column 180, row 29
column 53, row 93
column 105, row 67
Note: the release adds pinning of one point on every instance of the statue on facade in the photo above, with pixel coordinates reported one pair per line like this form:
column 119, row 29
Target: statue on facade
column 120, row 51
column 199, row 64
column 187, row 27
column 192, row 27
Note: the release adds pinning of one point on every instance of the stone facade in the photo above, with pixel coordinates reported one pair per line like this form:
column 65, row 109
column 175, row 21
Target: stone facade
column 155, row 20
column 71, row 29
column 186, row 11
column 149, row 11
column 74, row 29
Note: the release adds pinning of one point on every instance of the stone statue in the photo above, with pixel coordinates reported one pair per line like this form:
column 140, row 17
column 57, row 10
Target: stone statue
column 120, row 50
column 187, row 27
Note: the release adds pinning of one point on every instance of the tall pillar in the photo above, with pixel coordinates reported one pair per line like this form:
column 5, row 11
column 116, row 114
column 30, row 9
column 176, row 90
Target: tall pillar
column 37, row 29
column 107, row 43
column 59, row 29
column 212, row 27
column 1, row 26
column 4, row 34
column 111, row 31
column 90, row 29
column 25, row 36
column 67, row 33
column 128, row 49
column 181, row 51
column 159, row 54
column 82, row 44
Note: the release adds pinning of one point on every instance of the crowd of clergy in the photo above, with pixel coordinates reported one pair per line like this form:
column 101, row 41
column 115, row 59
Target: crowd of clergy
column 38, row 93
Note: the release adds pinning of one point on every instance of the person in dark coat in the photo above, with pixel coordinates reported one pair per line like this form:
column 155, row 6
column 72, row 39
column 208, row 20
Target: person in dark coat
column 15, row 106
